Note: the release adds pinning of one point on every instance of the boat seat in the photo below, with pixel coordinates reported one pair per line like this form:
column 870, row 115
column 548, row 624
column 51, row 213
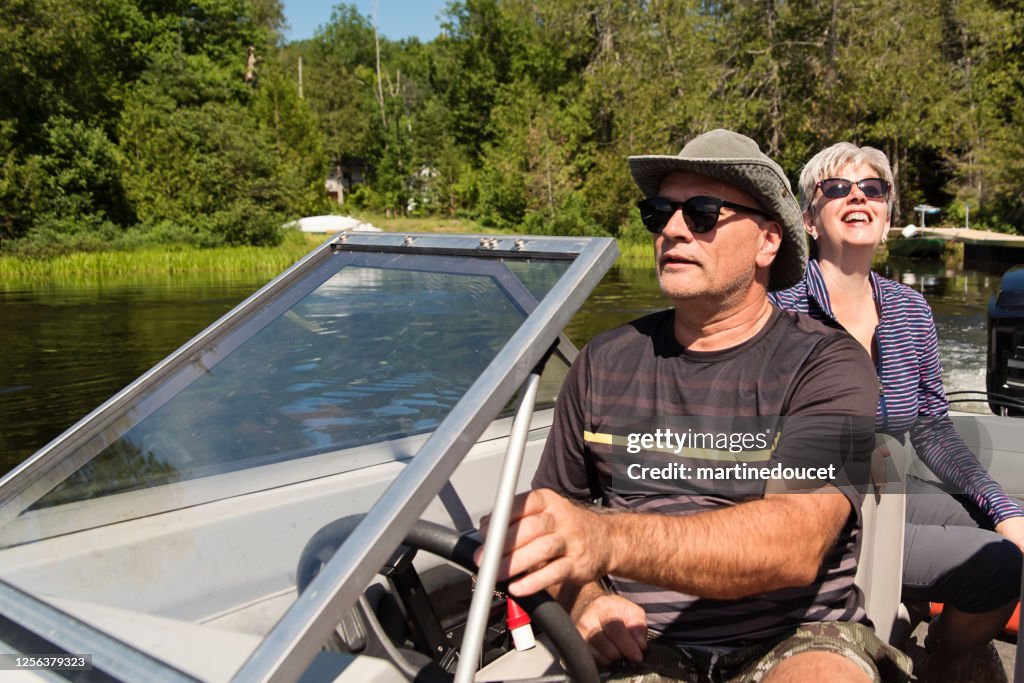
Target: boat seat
column 880, row 567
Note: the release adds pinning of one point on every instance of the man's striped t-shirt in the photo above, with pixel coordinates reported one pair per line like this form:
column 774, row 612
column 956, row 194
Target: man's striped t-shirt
column 798, row 394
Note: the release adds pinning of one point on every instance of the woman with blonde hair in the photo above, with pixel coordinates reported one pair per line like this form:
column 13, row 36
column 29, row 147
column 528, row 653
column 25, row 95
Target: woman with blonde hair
column 962, row 550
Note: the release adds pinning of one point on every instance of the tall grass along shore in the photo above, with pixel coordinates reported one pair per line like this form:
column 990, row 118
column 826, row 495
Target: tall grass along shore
column 97, row 267
column 105, row 266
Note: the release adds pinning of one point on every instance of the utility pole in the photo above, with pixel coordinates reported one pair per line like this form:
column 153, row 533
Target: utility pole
column 380, row 87
column 300, row 77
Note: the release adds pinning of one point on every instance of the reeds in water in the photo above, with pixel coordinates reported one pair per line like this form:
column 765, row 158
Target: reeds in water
column 119, row 266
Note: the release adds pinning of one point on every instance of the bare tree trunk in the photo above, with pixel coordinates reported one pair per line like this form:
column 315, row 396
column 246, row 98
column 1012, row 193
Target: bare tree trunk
column 833, row 38
column 551, row 187
column 974, row 176
column 380, row 87
column 833, row 50
column 775, row 115
column 894, row 159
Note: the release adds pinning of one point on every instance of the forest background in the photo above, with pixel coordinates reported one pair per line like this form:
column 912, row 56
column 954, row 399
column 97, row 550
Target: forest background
column 128, row 123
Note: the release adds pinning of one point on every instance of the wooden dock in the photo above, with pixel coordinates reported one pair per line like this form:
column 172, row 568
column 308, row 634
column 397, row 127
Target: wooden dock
column 968, row 244
column 968, row 236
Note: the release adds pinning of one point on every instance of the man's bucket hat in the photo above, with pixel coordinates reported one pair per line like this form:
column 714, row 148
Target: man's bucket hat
column 737, row 160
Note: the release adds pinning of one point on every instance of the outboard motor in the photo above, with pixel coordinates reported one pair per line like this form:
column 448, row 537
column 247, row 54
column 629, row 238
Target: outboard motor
column 1004, row 376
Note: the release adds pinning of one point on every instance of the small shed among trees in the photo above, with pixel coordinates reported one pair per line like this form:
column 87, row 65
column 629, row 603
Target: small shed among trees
column 343, row 176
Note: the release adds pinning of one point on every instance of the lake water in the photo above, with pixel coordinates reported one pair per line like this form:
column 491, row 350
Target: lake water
column 66, row 349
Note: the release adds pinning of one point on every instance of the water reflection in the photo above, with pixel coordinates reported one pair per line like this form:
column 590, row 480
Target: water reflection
column 68, row 349
column 959, row 301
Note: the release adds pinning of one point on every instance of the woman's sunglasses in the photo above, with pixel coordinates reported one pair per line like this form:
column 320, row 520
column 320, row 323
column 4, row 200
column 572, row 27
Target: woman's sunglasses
column 701, row 212
column 836, row 188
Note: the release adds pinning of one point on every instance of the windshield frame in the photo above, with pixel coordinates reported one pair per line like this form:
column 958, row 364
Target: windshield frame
column 294, row 641
column 289, row 648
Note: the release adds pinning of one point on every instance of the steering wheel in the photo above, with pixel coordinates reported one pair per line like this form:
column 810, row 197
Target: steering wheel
column 459, row 549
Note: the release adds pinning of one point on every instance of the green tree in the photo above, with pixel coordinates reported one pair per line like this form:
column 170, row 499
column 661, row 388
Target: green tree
column 205, row 154
column 985, row 53
column 95, row 78
column 338, row 83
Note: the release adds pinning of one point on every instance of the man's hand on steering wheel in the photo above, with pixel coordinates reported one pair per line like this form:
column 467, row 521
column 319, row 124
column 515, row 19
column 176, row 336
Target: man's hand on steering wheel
column 557, row 542
column 551, row 540
column 460, row 549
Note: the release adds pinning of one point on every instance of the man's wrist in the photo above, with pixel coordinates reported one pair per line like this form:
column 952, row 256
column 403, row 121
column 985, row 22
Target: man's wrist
column 606, row 526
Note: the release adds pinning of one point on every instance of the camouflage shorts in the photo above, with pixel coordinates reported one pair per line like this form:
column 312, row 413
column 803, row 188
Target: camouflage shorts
column 668, row 663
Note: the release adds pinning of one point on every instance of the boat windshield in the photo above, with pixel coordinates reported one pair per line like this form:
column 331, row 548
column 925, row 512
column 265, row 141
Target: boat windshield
column 367, row 348
column 381, row 350
column 189, row 495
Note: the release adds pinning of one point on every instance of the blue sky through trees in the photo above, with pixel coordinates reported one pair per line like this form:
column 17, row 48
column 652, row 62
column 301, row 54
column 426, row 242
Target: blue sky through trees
column 396, row 19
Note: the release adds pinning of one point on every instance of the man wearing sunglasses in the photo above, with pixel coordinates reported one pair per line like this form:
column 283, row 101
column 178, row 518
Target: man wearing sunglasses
column 734, row 580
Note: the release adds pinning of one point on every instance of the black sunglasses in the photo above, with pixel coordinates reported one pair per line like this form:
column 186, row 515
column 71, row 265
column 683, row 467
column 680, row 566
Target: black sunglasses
column 835, row 188
column 701, row 212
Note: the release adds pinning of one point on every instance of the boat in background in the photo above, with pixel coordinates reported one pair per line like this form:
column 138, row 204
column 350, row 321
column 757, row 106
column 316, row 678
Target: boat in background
column 1004, row 370
column 330, row 224
column 909, row 242
column 916, row 247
